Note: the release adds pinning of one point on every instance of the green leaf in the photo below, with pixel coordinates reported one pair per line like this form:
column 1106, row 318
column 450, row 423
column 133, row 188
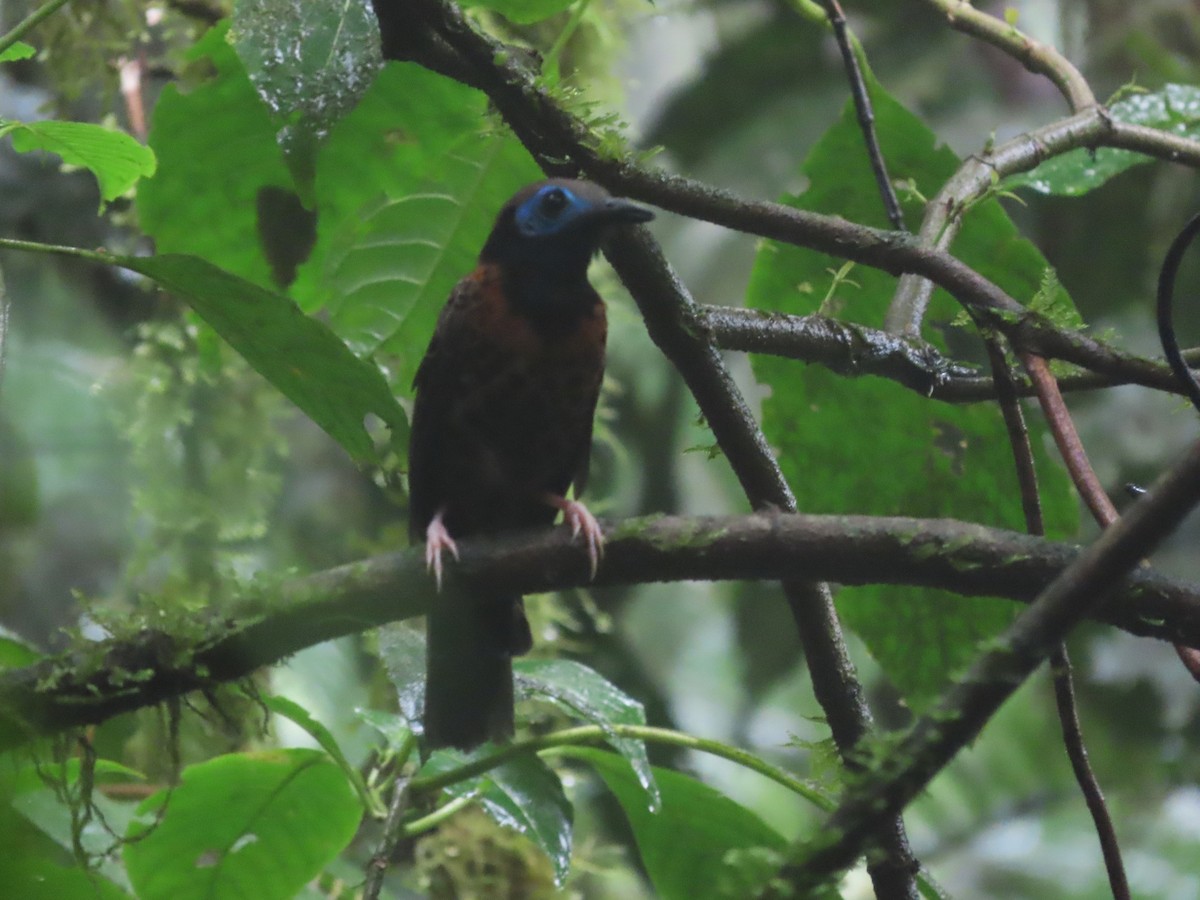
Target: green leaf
column 585, row 694
column 523, row 794
column 15, row 651
column 18, row 50
column 700, row 843
column 296, row 713
column 402, row 649
column 37, row 793
column 869, row 446
column 406, row 255
column 397, row 140
column 34, row 867
column 1174, row 109
column 523, row 12
column 408, row 191
column 296, row 353
column 217, row 153
column 115, row 158
column 249, row 825
column 310, row 63
column 393, row 728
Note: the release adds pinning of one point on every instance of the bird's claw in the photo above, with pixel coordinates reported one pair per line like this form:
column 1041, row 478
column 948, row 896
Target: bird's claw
column 437, row 539
column 581, row 521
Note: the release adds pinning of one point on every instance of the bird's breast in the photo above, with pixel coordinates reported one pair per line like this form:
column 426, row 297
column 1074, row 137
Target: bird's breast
column 576, row 337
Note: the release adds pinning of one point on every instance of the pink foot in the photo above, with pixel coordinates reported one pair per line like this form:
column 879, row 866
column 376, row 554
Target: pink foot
column 437, row 539
column 582, row 522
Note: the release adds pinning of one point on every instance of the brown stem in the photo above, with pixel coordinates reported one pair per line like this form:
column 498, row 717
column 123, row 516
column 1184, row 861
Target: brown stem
column 1060, row 665
column 1064, row 697
column 1062, row 426
column 866, row 115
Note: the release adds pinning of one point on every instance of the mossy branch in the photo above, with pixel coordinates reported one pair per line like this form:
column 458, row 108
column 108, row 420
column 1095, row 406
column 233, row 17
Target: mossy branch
column 98, row 681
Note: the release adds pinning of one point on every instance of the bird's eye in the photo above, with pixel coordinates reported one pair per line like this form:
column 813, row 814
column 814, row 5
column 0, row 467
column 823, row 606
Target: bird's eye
column 554, row 202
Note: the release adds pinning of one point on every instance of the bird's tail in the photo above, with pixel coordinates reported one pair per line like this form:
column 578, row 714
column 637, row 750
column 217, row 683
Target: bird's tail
column 469, row 682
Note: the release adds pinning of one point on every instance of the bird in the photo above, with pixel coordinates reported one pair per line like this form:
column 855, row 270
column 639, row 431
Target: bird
column 501, row 431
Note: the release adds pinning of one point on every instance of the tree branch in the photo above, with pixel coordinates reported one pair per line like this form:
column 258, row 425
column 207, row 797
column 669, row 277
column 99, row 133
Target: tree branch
column 98, row 681
column 957, row 718
column 1038, row 58
column 851, row 350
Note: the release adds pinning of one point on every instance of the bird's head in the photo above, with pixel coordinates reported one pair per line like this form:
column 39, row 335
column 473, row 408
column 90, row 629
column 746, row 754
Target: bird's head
column 555, row 227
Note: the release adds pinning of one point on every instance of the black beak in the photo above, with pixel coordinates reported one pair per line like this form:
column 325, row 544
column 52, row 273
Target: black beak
column 617, row 210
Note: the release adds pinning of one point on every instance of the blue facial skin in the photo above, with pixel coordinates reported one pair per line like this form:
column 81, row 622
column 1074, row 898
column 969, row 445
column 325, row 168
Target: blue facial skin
column 549, row 211
column 543, row 245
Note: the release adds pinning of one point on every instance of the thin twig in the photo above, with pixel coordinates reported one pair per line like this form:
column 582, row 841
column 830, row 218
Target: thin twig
column 675, row 323
column 393, row 831
column 978, row 174
column 29, row 22
column 1038, row 58
column 1060, row 665
column 1066, row 437
column 1068, row 716
column 866, row 115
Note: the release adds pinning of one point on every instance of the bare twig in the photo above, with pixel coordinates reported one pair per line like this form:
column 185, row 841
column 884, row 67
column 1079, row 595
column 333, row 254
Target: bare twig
column 943, row 217
column 1038, row 58
column 1064, row 697
column 393, row 831
column 1060, row 664
column 1166, row 295
column 130, row 77
column 866, row 115
column 1062, row 427
column 675, row 324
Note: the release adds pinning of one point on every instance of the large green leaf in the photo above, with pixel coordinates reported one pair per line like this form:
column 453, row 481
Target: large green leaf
column 870, row 446
column 115, row 158
column 408, row 186
column 296, row 353
column 587, row 695
column 405, row 256
column 298, row 715
column 523, row 794
column 1175, row 109
column 700, row 843
column 310, row 62
column 217, row 154
column 250, row 825
column 396, row 140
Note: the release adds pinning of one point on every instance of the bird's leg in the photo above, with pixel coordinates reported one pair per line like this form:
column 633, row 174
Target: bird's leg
column 582, row 522
column 437, row 539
